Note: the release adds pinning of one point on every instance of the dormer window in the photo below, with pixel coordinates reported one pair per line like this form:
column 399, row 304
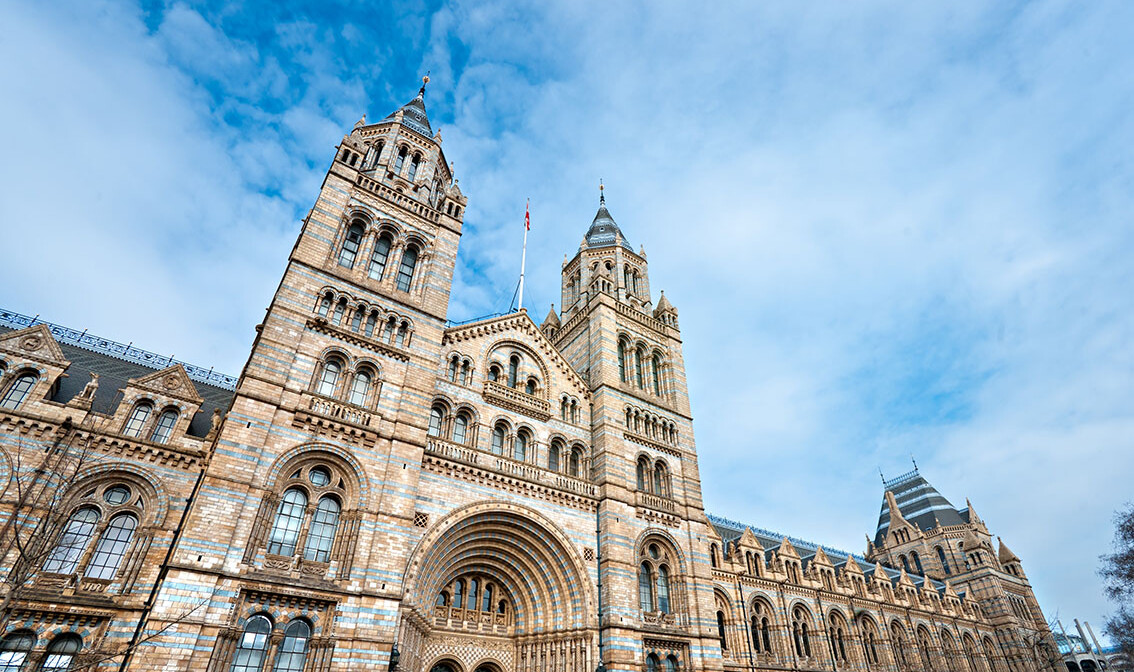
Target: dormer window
column 18, row 391
column 137, row 421
column 164, row 428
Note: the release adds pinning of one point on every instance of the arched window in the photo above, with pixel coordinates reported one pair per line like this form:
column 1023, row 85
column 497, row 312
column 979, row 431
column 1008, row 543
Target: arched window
column 530, row 388
column 324, row 305
column 356, row 318
column 72, row 541
column 164, row 427
column 661, row 480
column 622, row 361
column 436, row 418
column 137, row 421
column 349, row 250
column 401, row 161
column 498, row 440
column 453, row 364
column 553, row 455
column 18, row 391
column 713, row 555
column 573, row 464
column 652, row 663
column 657, row 375
column 111, row 547
column 321, row 536
column 513, row 370
column 898, row 642
column 360, row 388
column 645, row 587
column 494, row 373
column 800, row 633
column 14, row 650
column 905, row 563
column 329, row 378
column 943, row 559
column 838, row 645
column 61, row 653
column 923, row 646
column 293, row 649
column 663, row 589
column 413, row 167
column 466, row 371
column 461, row 428
column 380, row 256
column 486, row 601
column 643, row 475
column 638, row 377
column 671, row 663
column 917, row 563
column 459, row 594
column 253, row 646
column 473, row 585
column 721, row 630
column 371, row 322
column 520, row 446
column 405, row 271
column 289, row 520
column 761, row 628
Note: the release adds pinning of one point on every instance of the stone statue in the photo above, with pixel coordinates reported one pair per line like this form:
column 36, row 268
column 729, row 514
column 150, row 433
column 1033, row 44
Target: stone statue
column 90, row 388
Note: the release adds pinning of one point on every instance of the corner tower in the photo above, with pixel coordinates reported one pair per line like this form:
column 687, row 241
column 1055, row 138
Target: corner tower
column 651, row 517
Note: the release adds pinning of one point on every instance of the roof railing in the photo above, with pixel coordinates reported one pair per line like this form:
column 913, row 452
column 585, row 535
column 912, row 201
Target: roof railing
column 122, row 351
column 904, row 478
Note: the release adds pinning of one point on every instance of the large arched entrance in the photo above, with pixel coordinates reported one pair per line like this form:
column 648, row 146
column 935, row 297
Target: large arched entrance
column 497, row 587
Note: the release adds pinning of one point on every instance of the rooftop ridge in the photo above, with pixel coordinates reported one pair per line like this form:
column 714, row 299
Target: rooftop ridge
column 898, row 480
column 796, row 541
column 124, row 352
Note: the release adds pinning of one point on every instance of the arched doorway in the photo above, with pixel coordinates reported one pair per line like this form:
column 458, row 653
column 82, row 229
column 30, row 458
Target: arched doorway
column 498, row 587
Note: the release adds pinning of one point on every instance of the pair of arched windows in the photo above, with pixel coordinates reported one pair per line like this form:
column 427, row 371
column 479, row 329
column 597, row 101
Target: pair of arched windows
column 60, row 654
column 870, row 638
column 653, row 477
column 521, row 442
column 462, row 424
column 837, row 633
column 915, row 567
column 656, row 664
column 560, row 458
column 631, row 280
column 352, row 242
column 761, row 619
column 252, row 649
column 569, row 410
column 637, row 366
column 359, row 388
column 18, row 390
column 460, row 370
column 944, row 560
column 290, row 527
column 654, row 578
column 414, row 163
column 138, row 423
column 801, row 632
column 651, row 426
column 109, row 513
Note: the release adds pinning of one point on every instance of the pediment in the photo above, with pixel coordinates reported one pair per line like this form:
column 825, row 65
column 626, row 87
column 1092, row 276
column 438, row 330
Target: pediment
column 35, row 343
column 527, row 331
column 170, row 382
column 748, row 538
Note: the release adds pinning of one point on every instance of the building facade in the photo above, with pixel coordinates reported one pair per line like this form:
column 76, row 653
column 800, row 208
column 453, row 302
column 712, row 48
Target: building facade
column 381, row 489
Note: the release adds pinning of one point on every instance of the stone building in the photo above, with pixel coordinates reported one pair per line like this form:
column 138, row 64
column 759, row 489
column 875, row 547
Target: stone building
column 380, row 488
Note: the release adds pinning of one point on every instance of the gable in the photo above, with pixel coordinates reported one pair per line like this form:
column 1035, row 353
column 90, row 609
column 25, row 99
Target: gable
column 35, row 343
column 170, row 382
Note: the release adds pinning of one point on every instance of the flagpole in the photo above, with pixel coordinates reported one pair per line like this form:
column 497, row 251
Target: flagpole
column 524, row 254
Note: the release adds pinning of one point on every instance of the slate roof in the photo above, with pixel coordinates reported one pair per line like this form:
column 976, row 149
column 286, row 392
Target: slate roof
column 413, row 115
column 920, row 504
column 604, row 232
column 113, row 376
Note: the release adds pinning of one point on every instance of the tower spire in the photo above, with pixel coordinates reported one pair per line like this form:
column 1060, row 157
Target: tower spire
column 601, row 194
column 424, row 81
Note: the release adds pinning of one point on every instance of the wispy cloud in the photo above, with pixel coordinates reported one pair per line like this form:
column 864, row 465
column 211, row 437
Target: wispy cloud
column 890, row 229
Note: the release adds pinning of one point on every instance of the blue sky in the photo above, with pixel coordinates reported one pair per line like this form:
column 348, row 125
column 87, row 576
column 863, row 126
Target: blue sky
column 891, row 229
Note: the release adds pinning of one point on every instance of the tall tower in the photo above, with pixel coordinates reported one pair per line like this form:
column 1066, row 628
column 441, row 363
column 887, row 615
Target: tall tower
column 299, row 516
column 651, row 515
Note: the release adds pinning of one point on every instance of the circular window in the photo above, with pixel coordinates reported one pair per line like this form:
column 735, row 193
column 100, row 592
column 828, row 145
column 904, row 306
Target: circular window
column 654, row 551
column 117, row 495
column 319, row 477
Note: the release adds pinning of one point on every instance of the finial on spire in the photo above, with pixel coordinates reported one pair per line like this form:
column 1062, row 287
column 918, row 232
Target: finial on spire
column 601, row 195
column 424, row 81
column 914, row 462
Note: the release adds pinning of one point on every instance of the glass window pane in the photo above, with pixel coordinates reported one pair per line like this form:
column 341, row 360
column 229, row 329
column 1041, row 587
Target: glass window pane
column 18, row 392
column 460, row 429
column 330, row 379
column 360, row 388
column 253, row 646
column 405, row 272
column 379, row 258
column 14, row 650
column 137, row 420
column 435, row 417
column 293, row 648
column 72, row 542
column 112, row 547
column 322, row 534
column 164, row 427
column 289, row 519
column 350, row 246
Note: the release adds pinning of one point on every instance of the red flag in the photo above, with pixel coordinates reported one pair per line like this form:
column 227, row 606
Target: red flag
column 527, row 216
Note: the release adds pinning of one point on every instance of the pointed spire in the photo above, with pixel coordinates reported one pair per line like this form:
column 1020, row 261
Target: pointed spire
column 412, row 114
column 552, row 319
column 1005, row 554
column 664, row 306
column 604, row 232
column 974, row 518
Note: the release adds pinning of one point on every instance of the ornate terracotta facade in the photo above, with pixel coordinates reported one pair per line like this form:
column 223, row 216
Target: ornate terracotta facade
column 493, row 496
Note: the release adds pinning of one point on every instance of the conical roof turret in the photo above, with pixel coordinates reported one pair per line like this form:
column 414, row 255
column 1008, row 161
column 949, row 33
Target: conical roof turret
column 413, row 112
column 1005, row 554
column 552, row 319
column 604, row 232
